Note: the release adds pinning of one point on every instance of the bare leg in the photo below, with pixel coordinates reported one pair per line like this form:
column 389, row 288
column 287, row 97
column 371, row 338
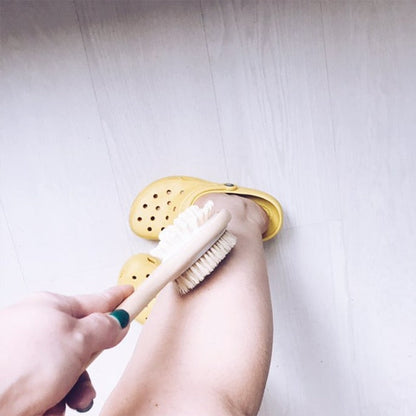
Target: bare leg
column 207, row 353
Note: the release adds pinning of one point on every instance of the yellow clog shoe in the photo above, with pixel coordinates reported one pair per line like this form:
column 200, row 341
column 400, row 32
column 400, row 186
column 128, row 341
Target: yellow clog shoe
column 162, row 201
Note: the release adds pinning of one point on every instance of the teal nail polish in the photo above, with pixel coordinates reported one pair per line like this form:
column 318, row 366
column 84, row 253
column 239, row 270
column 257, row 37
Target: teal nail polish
column 122, row 317
column 87, row 408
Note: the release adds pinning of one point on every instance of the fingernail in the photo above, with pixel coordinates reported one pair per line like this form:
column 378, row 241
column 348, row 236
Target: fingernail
column 122, row 317
column 87, row 408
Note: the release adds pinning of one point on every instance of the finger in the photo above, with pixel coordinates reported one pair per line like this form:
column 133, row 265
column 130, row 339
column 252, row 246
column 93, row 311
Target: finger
column 45, row 298
column 106, row 301
column 57, row 410
column 99, row 331
column 82, row 395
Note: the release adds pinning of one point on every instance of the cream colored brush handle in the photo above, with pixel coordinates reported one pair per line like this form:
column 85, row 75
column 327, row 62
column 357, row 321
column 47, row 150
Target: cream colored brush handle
column 136, row 302
column 170, row 269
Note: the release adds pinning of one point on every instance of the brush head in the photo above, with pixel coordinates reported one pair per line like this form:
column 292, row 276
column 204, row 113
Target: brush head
column 187, row 225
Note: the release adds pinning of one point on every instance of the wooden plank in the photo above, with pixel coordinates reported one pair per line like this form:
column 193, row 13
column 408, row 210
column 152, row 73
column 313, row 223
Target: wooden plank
column 371, row 51
column 149, row 67
column 269, row 73
column 310, row 370
column 57, row 184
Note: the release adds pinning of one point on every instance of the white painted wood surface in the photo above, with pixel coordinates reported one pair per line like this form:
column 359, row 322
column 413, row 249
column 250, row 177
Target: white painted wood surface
column 311, row 101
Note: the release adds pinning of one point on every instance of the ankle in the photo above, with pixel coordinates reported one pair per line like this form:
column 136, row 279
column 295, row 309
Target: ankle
column 247, row 216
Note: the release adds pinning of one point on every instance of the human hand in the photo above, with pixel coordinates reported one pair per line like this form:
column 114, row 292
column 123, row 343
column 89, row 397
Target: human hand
column 47, row 342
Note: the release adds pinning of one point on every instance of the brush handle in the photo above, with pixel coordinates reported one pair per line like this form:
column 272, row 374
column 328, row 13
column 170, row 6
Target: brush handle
column 181, row 259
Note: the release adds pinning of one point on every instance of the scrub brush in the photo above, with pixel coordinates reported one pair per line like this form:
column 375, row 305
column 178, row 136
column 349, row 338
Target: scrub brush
column 189, row 249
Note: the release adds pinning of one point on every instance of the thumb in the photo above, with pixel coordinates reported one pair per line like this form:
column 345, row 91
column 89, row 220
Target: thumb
column 100, row 331
column 83, row 305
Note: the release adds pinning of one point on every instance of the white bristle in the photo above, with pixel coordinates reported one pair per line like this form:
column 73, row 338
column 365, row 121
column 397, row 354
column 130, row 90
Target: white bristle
column 184, row 226
column 206, row 263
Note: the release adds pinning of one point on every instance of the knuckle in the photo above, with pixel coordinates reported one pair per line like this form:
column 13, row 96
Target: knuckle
column 99, row 323
column 96, row 332
column 80, row 339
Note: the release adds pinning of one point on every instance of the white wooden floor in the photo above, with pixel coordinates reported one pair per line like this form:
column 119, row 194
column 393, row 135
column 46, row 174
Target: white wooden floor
column 311, row 101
